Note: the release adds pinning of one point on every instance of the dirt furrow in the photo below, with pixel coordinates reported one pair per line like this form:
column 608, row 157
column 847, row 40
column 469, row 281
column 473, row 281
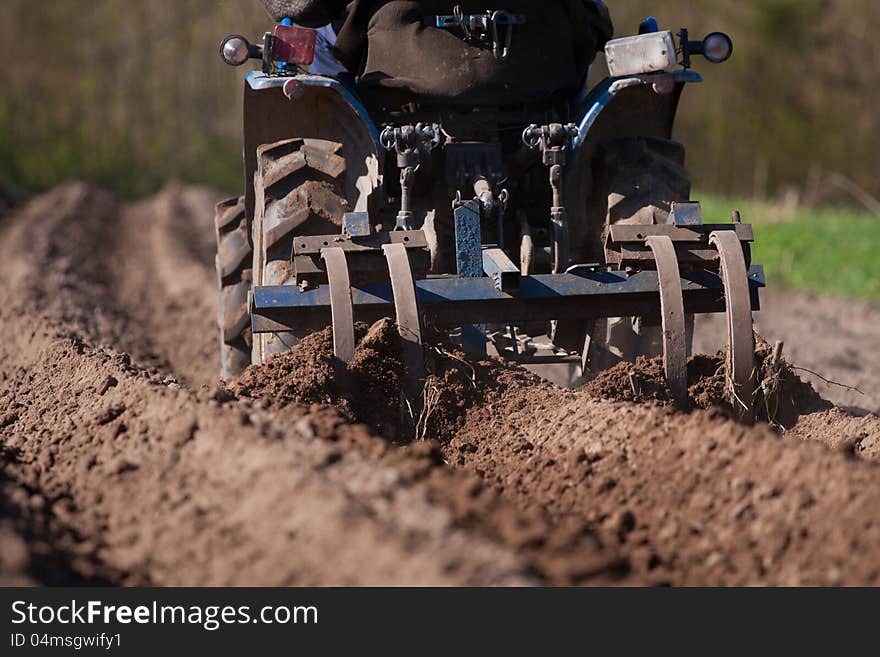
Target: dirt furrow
column 166, row 489
column 125, row 476
column 692, row 499
column 123, row 463
column 835, row 341
column 134, row 479
column 841, row 432
column 686, row 498
column 161, row 277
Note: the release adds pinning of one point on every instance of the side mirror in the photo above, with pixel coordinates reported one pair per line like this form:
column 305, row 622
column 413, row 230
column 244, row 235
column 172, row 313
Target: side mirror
column 717, row 47
column 236, row 50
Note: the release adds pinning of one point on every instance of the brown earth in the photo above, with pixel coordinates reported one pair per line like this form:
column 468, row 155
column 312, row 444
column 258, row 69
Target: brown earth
column 836, row 342
column 782, row 397
column 124, row 462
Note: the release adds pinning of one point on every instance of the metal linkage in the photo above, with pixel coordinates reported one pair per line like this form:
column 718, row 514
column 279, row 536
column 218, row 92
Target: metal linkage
column 486, row 206
column 517, row 347
column 673, row 317
column 409, row 142
column 554, row 141
column 406, row 304
column 483, row 28
column 740, row 331
column 341, row 309
column 490, row 205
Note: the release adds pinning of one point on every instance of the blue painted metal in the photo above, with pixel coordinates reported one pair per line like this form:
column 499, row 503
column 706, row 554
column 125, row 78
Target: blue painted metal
column 498, row 266
column 468, row 240
column 454, row 301
column 356, row 224
column 686, row 214
column 259, row 81
column 469, row 260
column 602, row 94
column 649, row 26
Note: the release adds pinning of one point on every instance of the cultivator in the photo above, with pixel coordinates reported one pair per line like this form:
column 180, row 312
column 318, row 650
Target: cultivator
column 660, row 273
column 498, row 148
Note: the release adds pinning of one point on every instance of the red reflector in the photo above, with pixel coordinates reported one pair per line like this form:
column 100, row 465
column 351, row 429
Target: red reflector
column 294, row 45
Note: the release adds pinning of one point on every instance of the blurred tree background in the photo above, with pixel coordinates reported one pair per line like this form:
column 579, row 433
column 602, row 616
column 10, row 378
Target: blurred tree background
column 132, row 93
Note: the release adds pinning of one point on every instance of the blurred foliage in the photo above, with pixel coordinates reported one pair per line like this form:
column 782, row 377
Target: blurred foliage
column 131, row 94
column 128, row 94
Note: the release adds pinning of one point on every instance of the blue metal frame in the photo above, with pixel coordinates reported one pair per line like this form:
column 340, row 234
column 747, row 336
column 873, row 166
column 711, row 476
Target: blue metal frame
column 468, row 246
column 454, row 300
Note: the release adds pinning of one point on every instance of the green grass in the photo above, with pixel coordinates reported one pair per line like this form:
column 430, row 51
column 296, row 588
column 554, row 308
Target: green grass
column 830, row 251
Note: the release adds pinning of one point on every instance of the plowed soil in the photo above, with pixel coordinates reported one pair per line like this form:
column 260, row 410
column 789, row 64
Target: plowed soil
column 126, row 462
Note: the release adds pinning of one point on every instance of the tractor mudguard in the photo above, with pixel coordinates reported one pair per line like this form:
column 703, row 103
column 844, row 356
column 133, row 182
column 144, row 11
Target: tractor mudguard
column 323, row 108
column 616, row 108
column 639, row 110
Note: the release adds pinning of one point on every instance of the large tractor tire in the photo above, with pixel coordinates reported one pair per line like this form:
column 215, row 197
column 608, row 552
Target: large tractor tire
column 298, row 189
column 643, row 176
column 233, row 264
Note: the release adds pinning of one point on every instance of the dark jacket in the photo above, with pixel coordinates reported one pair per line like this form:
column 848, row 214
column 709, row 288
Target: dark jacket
column 400, row 57
column 351, row 43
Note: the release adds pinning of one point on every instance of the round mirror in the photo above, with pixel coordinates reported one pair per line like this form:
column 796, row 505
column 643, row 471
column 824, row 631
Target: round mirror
column 717, row 47
column 235, row 50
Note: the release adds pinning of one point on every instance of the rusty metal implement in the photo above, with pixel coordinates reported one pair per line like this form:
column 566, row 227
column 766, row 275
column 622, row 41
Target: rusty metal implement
column 672, row 314
column 341, row 308
column 662, row 273
column 740, row 332
column 409, row 321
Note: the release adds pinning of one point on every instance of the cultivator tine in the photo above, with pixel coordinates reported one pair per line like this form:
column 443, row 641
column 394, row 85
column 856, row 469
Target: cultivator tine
column 341, row 309
column 672, row 312
column 409, row 322
column 740, row 332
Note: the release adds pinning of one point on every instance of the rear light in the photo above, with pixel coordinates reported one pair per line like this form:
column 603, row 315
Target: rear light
column 636, row 55
column 294, row 45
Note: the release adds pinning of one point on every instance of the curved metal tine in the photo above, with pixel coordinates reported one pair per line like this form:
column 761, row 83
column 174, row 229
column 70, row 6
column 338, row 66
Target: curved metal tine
column 740, row 331
column 672, row 311
column 340, row 303
column 409, row 322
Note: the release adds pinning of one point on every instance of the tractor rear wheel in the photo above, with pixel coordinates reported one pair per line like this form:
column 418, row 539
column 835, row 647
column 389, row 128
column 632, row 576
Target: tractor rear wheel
column 233, row 263
column 298, row 191
column 643, row 176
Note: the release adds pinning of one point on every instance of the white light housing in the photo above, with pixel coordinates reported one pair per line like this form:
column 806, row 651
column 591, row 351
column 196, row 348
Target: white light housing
column 717, row 47
column 645, row 53
column 235, row 50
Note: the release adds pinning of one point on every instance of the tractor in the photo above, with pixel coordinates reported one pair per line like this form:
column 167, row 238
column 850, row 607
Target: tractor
column 464, row 175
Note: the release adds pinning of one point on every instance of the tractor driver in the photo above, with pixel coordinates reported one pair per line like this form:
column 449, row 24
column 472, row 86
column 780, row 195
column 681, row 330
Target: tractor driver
column 384, row 43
